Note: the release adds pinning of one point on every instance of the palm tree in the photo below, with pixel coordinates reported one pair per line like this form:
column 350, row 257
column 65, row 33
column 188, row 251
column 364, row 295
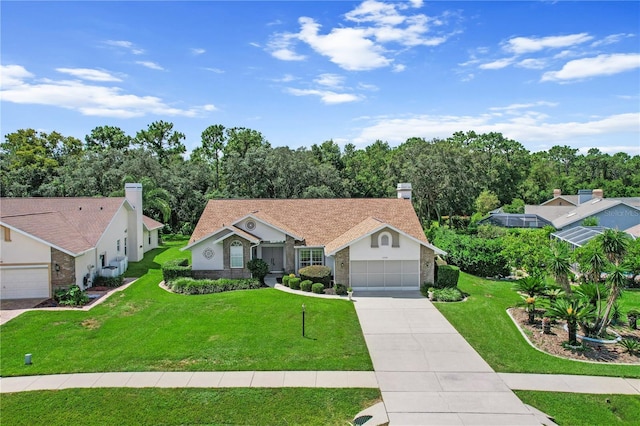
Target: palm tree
column 155, row 200
column 573, row 311
column 559, row 264
column 531, row 286
column 613, row 244
column 615, row 281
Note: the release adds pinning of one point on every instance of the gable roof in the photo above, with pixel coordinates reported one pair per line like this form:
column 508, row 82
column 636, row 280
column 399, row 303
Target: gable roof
column 571, row 199
column 72, row 225
column 318, row 221
column 151, row 224
column 587, row 209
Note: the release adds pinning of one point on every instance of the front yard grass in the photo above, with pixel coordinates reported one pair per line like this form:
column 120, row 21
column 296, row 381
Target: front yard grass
column 485, row 324
column 145, row 328
column 585, row 409
column 150, row 406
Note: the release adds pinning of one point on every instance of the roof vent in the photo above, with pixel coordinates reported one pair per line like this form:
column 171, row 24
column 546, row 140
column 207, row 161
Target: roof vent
column 80, row 208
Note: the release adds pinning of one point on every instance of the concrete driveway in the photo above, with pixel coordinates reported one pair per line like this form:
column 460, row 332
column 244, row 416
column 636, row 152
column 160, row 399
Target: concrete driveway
column 427, row 372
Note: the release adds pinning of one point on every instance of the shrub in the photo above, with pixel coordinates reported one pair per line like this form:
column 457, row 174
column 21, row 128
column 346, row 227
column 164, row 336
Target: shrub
column 108, row 281
column 176, row 268
column 447, row 276
column 285, row 280
column 72, row 296
column 341, row 289
column 318, row 288
column 478, row 256
column 631, row 346
column 447, row 295
column 192, row 286
column 317, row 274
column 258, row 268
column 306, row 285
column 294, row 283
column 531, row 285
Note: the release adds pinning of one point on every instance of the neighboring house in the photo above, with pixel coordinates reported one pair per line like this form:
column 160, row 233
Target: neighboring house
column 50, row 243
column 568, row 211
column 368, row 243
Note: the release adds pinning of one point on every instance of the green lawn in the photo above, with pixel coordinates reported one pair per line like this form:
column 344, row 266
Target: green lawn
column 145, row 328
column 484, row 323
column 573, row 409
column 286, row 406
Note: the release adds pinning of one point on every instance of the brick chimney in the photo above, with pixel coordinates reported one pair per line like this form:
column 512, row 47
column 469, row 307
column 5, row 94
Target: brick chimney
column 404, row 190
column 557, row 193
column 133, row 194
column 598, row 193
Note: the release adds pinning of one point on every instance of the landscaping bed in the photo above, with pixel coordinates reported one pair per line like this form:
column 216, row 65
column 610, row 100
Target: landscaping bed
column 552, row 343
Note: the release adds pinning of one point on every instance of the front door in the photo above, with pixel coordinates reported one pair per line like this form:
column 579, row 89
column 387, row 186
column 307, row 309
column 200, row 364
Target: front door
column 274, row 258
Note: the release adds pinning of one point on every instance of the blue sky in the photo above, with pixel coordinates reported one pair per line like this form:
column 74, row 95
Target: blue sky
column 542, row 73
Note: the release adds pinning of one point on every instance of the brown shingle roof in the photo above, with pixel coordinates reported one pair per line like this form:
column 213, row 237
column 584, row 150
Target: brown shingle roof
column 71, row 224
column 151, row 224
column 318, row 221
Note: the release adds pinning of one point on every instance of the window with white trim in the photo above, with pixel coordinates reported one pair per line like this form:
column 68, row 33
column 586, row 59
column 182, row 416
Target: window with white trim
column 310, row 257
column 236, row 254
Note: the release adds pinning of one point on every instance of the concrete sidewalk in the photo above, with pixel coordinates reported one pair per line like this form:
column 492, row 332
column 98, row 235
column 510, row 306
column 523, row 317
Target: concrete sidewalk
column 216, row 379
column 428, row 373
column 571, row 383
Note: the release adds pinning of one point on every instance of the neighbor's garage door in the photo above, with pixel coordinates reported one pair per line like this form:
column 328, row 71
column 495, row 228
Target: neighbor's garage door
column 24, row 282
column 385, row 274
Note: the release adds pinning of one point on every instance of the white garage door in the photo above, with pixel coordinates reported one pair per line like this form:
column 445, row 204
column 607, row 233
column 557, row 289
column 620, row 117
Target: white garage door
column 385, row 274
column 24, row 282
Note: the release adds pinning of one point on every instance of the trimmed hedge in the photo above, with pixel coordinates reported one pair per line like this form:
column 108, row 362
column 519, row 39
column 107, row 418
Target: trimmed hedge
column 176, row 268
column 108, row 281
column 306, row 285
column 318, row 288
column 341, row 289
column 447, row 276
column 316, row 274
column 447, row 295
column 294, row 283
column 285, row 280
column 193, row 286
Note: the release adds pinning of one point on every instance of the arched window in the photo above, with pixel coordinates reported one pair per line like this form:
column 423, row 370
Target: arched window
column 237, row 254
column 384, row 240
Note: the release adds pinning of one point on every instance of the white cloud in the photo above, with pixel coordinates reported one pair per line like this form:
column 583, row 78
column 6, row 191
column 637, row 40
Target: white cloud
column 611, row 39
column 326, row 96
column 19, row 86
column 514, row 107
column 399, row 67
column 89, row 74
column 526, row 128
column 368, row 87
column 498, row 64
column 197, row 51
column 334, row 81
column 151, row 65
column 125, row 45
column 520, row 45
column 348, row 48
column 372, row 35
column 215, row 70
column 284, row 79
column 533, row 64
column 594, row 67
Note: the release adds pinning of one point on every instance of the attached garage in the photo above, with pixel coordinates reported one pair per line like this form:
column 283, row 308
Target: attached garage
column 24, row 282
column 385, row 274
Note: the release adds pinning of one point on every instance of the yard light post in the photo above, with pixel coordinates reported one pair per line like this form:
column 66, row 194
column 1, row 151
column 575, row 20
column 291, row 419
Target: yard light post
column 303, row 309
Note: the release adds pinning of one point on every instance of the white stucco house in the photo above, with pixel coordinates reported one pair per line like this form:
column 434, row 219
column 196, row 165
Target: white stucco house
column 368, row 243
column 48, row 243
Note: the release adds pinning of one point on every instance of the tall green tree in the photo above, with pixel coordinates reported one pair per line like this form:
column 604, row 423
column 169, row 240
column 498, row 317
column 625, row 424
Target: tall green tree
column 559, row 264
column 107, row 137
column 213, row 139
column 160, row 139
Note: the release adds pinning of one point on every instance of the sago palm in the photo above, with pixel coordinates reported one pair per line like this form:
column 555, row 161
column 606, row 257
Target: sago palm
column 573, row 311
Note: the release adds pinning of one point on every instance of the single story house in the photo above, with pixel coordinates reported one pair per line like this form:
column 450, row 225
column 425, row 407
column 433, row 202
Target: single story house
column 50, row 243
column 371, row 244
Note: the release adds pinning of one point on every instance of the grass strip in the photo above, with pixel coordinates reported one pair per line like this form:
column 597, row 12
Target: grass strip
column 151, row 406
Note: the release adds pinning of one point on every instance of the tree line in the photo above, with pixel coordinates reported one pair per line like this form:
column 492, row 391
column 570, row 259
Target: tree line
column 448, row 175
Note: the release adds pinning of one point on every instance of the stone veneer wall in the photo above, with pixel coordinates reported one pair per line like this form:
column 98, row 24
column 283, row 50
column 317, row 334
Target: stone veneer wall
column 66, row 276
column 290, row 255
column 341, row 275
column 427, row 265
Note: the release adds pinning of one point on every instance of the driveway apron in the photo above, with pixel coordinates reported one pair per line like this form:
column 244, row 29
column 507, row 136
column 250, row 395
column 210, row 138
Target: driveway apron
column 427, row 372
